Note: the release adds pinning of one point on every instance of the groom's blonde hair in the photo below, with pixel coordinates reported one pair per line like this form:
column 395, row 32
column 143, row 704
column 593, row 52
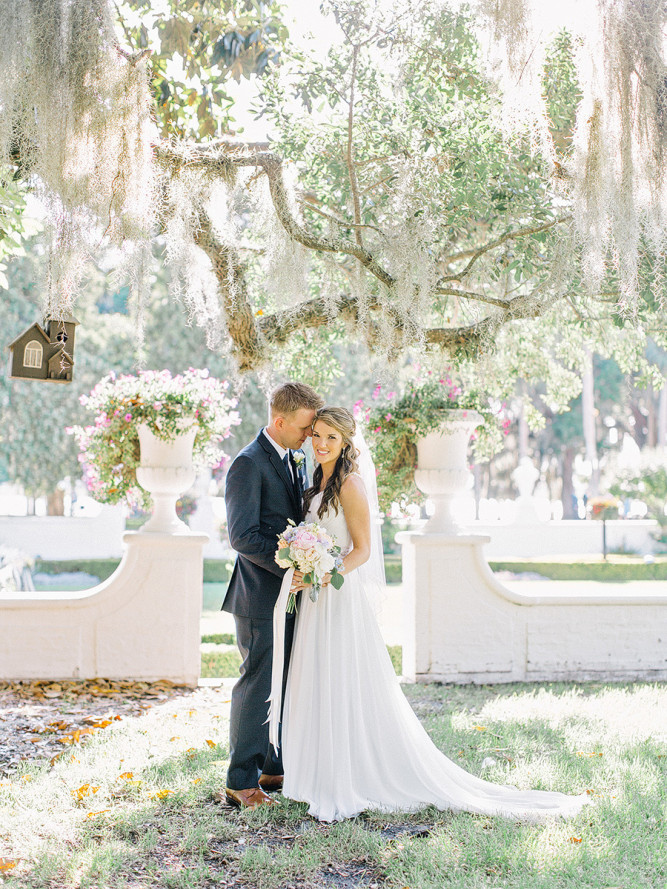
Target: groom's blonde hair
column 291, row 397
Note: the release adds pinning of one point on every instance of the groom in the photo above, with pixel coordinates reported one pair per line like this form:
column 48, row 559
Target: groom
column 264, row 487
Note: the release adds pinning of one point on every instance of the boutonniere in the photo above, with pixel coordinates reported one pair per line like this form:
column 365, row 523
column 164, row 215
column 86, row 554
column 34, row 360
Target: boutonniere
column 299, row 458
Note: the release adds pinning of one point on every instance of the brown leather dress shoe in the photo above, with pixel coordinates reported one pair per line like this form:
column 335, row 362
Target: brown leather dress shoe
column 271, row 783
column 247, row 799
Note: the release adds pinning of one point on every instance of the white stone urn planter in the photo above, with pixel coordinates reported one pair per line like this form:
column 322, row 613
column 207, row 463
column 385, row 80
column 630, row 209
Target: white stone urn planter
column 166, row 471
column 442, row 467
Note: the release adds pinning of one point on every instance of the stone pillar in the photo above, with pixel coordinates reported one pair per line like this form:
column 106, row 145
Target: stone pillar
column 451, row 632
column 436, row 558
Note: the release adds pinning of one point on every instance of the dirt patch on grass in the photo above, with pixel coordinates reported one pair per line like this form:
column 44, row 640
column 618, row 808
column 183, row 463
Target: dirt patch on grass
column 42, row 719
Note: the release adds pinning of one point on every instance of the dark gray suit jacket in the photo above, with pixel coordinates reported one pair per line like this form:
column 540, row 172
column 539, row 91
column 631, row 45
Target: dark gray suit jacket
column 260, row 498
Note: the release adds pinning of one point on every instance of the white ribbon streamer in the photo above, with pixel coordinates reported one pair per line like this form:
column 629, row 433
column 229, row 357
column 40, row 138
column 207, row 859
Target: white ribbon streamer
column 278, row 663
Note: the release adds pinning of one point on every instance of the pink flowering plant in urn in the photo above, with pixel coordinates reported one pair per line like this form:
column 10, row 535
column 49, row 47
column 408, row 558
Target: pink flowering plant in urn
column 395, row 422
column 168, row 405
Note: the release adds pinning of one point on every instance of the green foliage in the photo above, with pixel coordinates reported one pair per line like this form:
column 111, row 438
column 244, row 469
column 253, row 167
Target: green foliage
column 431, row 167
column 208, row 43
column 562, row 91
column 35, row 450
column 396, row 655
column 393, row 569
column 310, row 356
column 219, row 639
column 217, row 570
column 13, row 225
column 225, row 664
column 649, row 485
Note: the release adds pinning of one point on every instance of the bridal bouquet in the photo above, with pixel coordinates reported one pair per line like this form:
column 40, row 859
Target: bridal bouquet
column 309, row 548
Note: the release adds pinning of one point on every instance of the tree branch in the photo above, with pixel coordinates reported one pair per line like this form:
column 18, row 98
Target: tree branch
column 252, row 334
column 239, row 316
column 470, row 338
column 310, row 204
column 352, row 173
column 469, row 294
column 497, row 242
column 223, row 161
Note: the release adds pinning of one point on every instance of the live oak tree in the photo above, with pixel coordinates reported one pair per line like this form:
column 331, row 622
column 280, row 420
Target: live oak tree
column 411, row 197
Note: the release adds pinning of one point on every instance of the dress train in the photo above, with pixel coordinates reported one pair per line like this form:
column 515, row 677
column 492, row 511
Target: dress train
column 351, row 741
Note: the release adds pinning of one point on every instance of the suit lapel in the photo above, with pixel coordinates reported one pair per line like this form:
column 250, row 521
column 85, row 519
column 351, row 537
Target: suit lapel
column 279, row 466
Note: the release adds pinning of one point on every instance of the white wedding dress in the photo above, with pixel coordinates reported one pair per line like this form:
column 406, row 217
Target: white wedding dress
column 351, row 741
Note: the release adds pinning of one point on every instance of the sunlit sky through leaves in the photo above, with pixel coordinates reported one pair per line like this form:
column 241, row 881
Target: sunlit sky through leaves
column 308, row 26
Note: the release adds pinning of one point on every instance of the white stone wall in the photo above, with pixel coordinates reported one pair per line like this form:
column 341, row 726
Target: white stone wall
column 572, row 538
column 142, row 623
column 462, row 625
column 66, row 537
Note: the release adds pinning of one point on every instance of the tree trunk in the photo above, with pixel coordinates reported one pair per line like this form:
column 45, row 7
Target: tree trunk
column 662, row 417
column 651, row 419
column 639, row 429
column 523, row 425
column 567, row 490
column 590, row 434
column 55, row 502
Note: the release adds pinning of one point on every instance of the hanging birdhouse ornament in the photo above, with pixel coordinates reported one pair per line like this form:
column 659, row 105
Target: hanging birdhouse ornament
column 45, row 353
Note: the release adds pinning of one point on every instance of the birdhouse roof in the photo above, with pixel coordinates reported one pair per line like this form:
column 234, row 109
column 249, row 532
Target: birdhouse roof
column 60, row 356
column 66, row 316
column 35, row 326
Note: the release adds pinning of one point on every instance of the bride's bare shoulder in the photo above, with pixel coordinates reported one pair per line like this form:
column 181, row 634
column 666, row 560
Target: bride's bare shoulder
column 353, row 492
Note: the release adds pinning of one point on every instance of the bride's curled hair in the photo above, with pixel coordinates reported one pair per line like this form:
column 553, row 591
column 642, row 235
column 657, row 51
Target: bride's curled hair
column 343, row 422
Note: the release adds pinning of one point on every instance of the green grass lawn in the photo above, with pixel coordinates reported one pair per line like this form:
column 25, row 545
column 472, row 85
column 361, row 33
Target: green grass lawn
column 225, row 662
column 618, row 568
column 133, row 806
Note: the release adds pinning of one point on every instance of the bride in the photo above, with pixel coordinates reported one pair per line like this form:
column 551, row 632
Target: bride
column 350, row 740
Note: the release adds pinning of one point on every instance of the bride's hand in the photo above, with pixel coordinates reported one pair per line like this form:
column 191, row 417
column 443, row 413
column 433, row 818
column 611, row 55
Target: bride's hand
column 297, row 582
